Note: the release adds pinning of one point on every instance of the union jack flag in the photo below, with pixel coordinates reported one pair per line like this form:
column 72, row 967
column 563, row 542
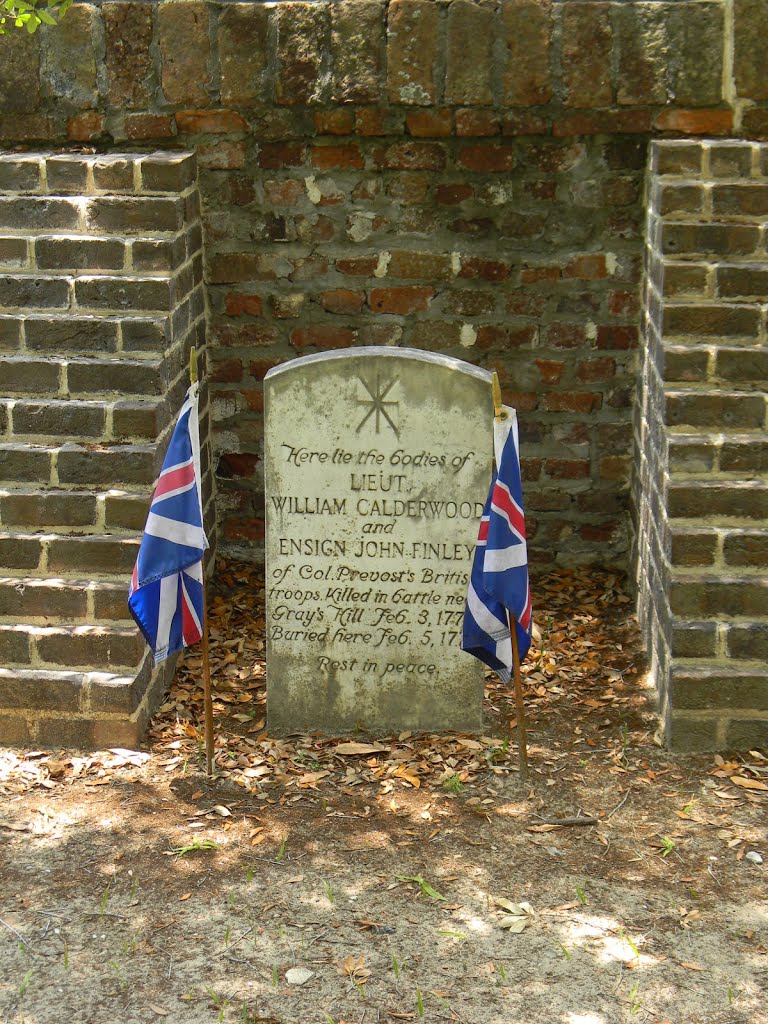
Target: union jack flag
column 498, row 584
column 166, row 592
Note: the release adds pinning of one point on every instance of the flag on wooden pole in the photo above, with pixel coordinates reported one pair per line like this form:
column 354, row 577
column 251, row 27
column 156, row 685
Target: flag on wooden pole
column 166, row 591
column 498, row 586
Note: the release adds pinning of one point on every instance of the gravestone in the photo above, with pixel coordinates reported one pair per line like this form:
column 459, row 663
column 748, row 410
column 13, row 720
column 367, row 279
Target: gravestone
column 378, row 463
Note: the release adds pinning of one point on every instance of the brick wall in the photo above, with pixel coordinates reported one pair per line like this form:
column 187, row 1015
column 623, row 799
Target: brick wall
column 463, row 177
column 701, row 492
column 101, row 298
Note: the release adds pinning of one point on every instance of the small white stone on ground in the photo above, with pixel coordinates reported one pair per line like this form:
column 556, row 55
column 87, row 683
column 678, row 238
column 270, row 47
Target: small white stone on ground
column 298, row 975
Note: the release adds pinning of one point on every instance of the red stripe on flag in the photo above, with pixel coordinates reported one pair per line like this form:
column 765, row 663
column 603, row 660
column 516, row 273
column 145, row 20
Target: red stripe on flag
column 189, row 627
column 505, row 503
column 482, row 535
column 182, row 476
column 525, row 618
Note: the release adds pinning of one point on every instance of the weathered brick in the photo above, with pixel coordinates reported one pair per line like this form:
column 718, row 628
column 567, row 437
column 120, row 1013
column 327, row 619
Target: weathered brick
column 749, row 642
column 697, row 596
column 730, row 160
column 40, row 599
column 145, row 377
column 713, row 688
column 19, row 463
column 676, row 158
column 148, row 126
column 410, row 264
column 337, row 157
column 693, row 639
column 696, row 75
column 743, row 281
column 14, row 253
column 42, row 214
column 471, row 32
column 26, row 375
column 487, row 156
column 130, row 464
column 59, row 419
column 749, row 55
column 711, row 320
column 412, row 35
column 587, row 54
column 89, row 645
column 14, row 647
column 34, row 292
column 357, row 40
column 434, row 123
column 716, row 411
column 184, row 51
column 125, row 511
column 527, row 39
column 744, row 500
column 19, row 72
column 41, row 510
column 572, row 401
column 685, row 365
column 477, row 121
column 19, row 552
column 19, row 173
column 76, row 253
column 129, row 293
column 132, row 215
column 642, row 43
column 705, row 239
column 130, row 71
column 744, row 200
column 411, row 156
column 746, row 733
column 685, row 279
column 342, row 301
column 87, row 126
column 466, row 302
column 403, row 300
column 302, row 39
column 70, row 71
column 322, row 336
column 746, row 548
column 243, row 52
column 745, row 455
column 274, row 156
column 169, row 172
column 70, row 334
column 742, row 366
column 139, row 419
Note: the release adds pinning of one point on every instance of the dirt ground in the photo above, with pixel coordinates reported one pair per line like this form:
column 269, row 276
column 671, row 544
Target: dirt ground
column 404, row 878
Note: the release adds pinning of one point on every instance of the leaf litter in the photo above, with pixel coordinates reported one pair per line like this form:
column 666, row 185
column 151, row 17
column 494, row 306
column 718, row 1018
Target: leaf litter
column 411, row 834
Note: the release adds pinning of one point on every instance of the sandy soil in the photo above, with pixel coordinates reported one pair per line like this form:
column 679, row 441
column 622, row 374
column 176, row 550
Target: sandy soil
column 135, row 891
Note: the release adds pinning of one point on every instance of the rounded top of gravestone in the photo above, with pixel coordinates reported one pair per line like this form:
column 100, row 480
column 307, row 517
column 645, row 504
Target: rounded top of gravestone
column 366, row 351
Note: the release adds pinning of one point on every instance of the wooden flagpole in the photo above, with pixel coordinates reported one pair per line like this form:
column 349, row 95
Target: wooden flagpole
column 207, row 695
column 522, row 731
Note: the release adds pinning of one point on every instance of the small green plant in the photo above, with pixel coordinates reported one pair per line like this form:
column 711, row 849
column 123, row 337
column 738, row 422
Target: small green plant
column 566, row 953
column 494, row 754
column 121, row 978
column 66, row 956
column 31, row 14
column 275, row 977
column 134, row 887
column 329, row 892
column 249, row 874
column 307, row 760
column 426, row 888
column 634, row 1000
column 581, row 892
column 625, row 938
column 451, row 934
column 396, row 966
column 419, row 1003
column 502, row 972
column 281, row 851
column 231, row 897
column 196, row 846
column 453, row 784
column 667, row 845
column 227, row 933
column 25, row 982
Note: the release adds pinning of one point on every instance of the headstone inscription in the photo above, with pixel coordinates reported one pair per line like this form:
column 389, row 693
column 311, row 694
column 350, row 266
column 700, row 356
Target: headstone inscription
column 377, row 466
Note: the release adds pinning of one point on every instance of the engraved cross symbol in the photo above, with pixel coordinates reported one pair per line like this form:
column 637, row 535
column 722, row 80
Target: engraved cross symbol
column 377, row 404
